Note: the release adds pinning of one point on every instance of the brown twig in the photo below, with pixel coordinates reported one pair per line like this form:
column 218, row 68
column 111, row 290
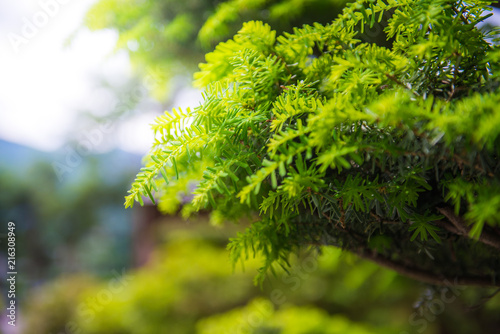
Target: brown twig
column 383, row 221
column 483, row 301
column 461, row 162
column 396, row 80
column 425, row 276
column 459, row 226
column 342, row 213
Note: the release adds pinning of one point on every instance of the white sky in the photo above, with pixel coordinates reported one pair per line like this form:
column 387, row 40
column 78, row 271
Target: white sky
column 41, row 81
column 43, row 85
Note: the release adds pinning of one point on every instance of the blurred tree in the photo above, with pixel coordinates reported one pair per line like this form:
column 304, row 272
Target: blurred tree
column 388, row 152
column 190, row 278
column 52, row 306
column 169, row 37
column 190, row 287
column 58, row 220
column 259, row 317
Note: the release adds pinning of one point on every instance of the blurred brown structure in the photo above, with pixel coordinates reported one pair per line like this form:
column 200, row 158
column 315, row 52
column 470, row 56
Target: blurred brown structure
column 146, row 222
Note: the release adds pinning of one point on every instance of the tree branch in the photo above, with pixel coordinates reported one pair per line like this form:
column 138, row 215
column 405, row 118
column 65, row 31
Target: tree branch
column 425, row 276
column 460, row 227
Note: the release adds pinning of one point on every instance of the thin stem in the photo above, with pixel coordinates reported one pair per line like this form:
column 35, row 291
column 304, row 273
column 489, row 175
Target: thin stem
column 460, row 227
column 425, row 276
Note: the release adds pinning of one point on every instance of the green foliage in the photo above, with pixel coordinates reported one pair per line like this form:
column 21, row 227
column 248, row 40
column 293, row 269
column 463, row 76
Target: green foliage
column 259, row 317
column 185, row 280
column 61, row 296
column 333, row 141
column 169, row 38
column 66, row 221
column 189, row 287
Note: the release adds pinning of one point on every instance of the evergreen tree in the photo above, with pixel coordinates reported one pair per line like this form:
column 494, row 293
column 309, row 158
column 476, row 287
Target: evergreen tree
column 169, row 38
column 322, row 137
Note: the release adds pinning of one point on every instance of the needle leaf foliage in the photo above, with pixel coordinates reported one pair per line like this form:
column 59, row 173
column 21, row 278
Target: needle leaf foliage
column 324, row 137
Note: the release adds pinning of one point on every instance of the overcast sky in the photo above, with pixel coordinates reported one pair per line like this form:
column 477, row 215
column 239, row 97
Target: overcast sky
column 44, row 84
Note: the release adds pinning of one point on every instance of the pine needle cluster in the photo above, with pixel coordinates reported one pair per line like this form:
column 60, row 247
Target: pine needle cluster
column 388, row 151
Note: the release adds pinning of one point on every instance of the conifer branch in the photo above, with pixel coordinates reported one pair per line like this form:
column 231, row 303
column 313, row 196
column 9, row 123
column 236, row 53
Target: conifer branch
column 357, row 137
column 427, row 276
column 460, row 227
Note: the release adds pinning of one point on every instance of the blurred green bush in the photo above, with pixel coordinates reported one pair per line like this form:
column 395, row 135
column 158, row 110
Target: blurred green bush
column 260, row 317
column 190, row 278
column 189, row 286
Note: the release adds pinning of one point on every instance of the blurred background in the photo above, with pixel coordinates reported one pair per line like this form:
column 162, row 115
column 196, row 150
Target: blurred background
column 80, row 82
